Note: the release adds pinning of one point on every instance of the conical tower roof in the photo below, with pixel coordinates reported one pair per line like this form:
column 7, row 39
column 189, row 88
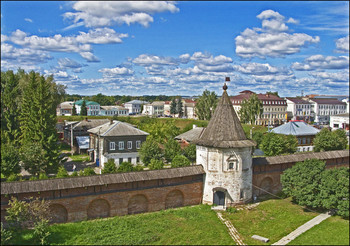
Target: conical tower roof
column 224, row 129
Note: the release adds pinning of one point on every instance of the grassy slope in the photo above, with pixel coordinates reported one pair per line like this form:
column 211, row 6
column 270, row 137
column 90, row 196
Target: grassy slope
column 272, row 219
column 183, row 226
column 333, row 231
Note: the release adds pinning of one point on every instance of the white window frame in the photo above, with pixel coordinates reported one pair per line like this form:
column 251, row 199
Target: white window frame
column 121, row 145
column 129, row 144
column 138, row 144
column 112, row 146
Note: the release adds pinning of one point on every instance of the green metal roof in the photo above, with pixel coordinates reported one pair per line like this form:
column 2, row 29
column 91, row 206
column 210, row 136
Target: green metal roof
column 80, row 102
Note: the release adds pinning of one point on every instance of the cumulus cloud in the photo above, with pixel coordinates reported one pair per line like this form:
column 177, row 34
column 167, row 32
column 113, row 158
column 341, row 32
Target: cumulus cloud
column 79, row 44
column 100, row 36
column 99, row 14
column 260, row 69
column 115, row 72
column 272, row 39
column 327, row 77
column 149, row 60
column 342, row 45
column 22, row 56
column 67, row 63
column 322, row 62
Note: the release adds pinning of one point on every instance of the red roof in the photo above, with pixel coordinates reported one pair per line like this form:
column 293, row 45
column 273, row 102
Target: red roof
column 297, row 100
column 265, row 98
column 327, row 101
column 246, row 92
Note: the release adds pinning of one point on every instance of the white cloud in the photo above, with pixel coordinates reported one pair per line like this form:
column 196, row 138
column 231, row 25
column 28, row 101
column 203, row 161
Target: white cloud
column 28, row 20
column 25, row 56
column 100, row 36
column 89, row 56
column 327, row 77
column 272, row 39
column 149, row 60
column 343, row 45
column 115, row 72
column 67, row 63
column 98, row 14
column 261, row 69
column 322, row 62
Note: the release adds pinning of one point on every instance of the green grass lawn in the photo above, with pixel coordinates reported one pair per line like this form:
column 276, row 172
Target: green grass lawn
column 332, row 231
column 272, row 219
column 183, row 226
column 79, row 158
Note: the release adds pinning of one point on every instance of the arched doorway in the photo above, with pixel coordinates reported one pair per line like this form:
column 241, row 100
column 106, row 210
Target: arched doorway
column 58, row 213
column 138, row 204
column 174, row 199
column 219, row 198
column 98, row 208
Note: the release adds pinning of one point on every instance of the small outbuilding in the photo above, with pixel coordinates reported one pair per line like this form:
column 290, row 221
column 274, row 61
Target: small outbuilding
column 304, row 133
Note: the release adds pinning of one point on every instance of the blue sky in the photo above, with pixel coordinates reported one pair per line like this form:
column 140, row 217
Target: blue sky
column 180, row 48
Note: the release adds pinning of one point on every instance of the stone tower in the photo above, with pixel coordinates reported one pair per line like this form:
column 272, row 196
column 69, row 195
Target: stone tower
column 226, row 155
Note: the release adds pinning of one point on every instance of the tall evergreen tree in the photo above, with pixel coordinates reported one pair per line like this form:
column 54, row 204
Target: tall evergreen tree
column 251, row 109
column 83, row 109
column 206, row 105
column 38, row 118
column 179, row 107
column 10, row 103
column 173, row 107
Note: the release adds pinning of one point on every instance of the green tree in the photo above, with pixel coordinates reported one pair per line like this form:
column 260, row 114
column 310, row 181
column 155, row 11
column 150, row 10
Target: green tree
column 62, row 172
column 156, row 164
column 173, row 107
column 125, row 167
column 180, row 161
column 251, row 109
column 171, row 149
column 83, row 109
column 258, row 137
column 109, row 167
column 334, row 190
column 276, row 144
column 206, row 105
column 161, row 131
column 326, row 140
column 302, row 182
column 179, row 108
column 10, row 104
column 150, row 150
column 38, row 117
column 33, row 158
column 272, row 93
column 74, row 110
column 190, row 152
column 10, row 159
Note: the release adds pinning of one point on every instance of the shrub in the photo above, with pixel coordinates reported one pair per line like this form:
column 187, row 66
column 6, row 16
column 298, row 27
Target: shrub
column 276, row 144
column 125, row 167
column 231, row 210
column 43, row 176
column 301, row 182
column 33, row 178
column 41, row 231
column 156, row 164
column 89, row 171
column 62, row 172
column 109, row 167
column 138, row 167
column 74, row 174
column 6, row 235
column 12, row 177
column 180, row 161
column 10, row 160
column 81, row 173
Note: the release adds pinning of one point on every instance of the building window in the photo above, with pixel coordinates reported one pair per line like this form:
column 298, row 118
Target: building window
column 121, row 145
column 231, row 165
column 138, row 144
column 120, row 160
column 129, row 159
column 129, row 144
column 112, row 146
column 137, row 159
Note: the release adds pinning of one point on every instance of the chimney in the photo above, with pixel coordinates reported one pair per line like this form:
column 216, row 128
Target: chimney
column 86, row 119
column 110, row 121
column 194, row 126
